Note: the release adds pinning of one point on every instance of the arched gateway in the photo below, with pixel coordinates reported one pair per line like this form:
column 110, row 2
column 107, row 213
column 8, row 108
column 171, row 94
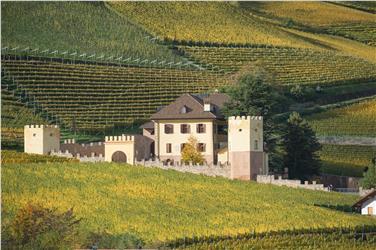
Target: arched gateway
column 119, row 156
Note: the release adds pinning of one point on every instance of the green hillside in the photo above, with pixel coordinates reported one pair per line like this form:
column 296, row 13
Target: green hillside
column 158, row 205
column 85, row 27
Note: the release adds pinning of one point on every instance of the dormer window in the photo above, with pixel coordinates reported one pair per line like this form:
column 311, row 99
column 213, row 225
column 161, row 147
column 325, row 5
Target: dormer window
column 184, row 110
column 207, row 107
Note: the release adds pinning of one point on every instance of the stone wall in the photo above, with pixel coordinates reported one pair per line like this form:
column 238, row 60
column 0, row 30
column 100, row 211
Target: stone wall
column 88, row 149
column 85, row 158
column 270, row 179
column 209, row 170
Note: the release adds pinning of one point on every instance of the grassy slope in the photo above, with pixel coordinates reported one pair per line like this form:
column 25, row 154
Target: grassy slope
column 159, row 205
column 75, row 26
column 212, row 22
column 354, row 120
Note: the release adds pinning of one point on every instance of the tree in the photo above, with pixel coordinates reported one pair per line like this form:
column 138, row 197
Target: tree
column 190, row 152
column 369, row 178
column 253, row 94
column 300, row 145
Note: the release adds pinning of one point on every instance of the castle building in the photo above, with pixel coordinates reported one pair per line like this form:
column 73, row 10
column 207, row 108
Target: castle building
column 236, row 141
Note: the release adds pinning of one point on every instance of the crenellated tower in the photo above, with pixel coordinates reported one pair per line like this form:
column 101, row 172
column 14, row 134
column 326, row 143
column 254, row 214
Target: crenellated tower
column 41, row 139
column 245, row 147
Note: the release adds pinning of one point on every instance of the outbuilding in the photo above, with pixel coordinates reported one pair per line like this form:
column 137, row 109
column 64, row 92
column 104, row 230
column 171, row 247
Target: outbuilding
column 367, row 204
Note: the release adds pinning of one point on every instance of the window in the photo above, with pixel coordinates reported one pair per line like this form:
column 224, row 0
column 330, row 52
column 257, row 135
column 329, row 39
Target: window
column 184, row 110
column 34, row 135
column 169, row 128
column 185, row 128
column 168, row 148
column 201, row 147
column 51, row 134
column 256, row 144
column 201, row 128
column 222, row 129
column 182, row 146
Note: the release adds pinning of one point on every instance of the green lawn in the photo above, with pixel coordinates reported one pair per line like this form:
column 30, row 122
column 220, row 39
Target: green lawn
column 157, row 205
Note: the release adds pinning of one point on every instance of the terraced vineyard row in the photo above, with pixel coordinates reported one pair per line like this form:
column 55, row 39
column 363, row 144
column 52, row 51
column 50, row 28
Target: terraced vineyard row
column 91, row 97
column 290, row 66
column 348, row 160
column 365, row 33
column 83, row 27
column 354, row 120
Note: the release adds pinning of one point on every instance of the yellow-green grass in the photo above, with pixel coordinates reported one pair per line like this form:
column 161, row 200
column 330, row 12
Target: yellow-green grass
column 11, row 157
column 85, row 27
column 347, row 160
column 216, row 22
column 160, row 205
column 289, row 241
column 354, row 120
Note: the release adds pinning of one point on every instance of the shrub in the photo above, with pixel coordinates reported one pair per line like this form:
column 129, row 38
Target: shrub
column 190, row 152
column 37, row 227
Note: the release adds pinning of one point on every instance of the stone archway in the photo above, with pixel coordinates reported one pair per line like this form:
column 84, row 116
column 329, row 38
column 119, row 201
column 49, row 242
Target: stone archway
column 119, row 156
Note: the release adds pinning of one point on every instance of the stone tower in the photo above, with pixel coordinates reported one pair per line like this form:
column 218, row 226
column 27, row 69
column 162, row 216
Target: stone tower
column 41, row 139
column 245, row 147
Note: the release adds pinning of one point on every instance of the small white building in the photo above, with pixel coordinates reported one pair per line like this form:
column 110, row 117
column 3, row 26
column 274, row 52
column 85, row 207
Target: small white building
column 367, row 204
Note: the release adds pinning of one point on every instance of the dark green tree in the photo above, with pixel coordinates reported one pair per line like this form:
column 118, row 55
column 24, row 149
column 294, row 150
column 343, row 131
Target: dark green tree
column 369, row 179
column 253, row 94
column 300, row 145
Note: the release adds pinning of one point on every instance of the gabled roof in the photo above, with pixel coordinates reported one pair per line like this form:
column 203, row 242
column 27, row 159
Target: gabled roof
column 195, row 107
column 147, row 125
column 364, row 199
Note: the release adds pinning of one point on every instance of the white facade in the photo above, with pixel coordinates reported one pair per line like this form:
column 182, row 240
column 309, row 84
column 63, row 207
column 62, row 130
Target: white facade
column 369, row 207
column 41, row 139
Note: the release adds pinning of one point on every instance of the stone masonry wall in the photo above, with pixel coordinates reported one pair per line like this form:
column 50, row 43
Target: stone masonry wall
column 270, row 179
column 209, row 170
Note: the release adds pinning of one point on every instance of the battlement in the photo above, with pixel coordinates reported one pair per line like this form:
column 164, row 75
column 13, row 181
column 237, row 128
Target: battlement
column 122, row 138
column 41, row 126
column 69, row 141
column 245, row 118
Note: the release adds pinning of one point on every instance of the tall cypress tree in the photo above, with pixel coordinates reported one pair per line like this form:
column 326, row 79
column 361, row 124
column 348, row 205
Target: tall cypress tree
column 254, row 95
column 300, row 145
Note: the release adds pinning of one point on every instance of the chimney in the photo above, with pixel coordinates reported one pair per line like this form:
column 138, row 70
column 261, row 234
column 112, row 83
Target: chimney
column 207, row 107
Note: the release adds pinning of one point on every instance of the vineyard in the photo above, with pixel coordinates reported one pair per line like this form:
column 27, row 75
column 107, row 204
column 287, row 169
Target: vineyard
column 289, row 65
column 318, row 240
column 213, row 22
column 83, row 27
column 354, row 120
column 347, row 160
column 158, row 205
column 347, row 22
column 93, row 97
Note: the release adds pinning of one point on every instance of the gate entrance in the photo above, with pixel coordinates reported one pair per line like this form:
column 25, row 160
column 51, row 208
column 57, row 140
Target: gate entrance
column 119, row 156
